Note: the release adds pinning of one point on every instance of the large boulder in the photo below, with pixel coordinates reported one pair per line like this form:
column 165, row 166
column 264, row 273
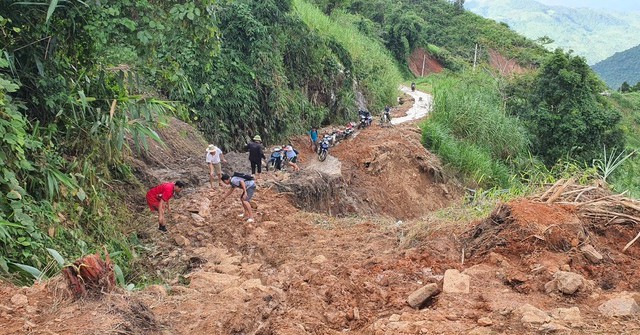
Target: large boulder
column 565, row 282
column 623, row 305
column 417, row 298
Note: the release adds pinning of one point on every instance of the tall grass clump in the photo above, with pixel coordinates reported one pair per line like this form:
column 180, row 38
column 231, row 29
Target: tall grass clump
column 625, row 178
column 375, row 69
column 469, row 129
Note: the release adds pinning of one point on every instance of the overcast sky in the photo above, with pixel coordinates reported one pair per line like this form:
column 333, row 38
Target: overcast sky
column 617, row 5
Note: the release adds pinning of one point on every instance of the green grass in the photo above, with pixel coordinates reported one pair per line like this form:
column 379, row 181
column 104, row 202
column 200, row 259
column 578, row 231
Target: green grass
column 374, row 67
column 625, row 178
column 470, row 131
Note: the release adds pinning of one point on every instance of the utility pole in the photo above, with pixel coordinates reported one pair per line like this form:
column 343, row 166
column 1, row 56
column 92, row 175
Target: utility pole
column 475, row 57
column 424, row 57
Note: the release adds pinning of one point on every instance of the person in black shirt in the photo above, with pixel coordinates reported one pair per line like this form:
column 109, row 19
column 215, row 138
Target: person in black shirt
column 256, row 154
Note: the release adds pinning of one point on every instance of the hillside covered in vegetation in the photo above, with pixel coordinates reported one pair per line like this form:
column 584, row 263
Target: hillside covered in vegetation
column 84, row 86
column 622, row 67
column 591, row 33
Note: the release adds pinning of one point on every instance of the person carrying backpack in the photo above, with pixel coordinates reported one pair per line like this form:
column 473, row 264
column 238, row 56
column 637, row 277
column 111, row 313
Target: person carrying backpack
column 248, row 186
column 292, row 157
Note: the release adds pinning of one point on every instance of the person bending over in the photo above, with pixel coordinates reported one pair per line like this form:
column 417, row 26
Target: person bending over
column 248, row 187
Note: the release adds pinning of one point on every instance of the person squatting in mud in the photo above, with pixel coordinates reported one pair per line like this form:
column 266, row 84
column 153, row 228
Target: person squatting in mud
column 214, row 159
column 248, row 186
column 158, row 198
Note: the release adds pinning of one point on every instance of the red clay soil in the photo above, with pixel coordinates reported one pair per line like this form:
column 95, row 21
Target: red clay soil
column 421, row 63
column 504, row 66
column 532, row 234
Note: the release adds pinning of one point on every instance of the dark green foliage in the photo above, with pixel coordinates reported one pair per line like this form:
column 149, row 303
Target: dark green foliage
column 624, row 88
column 408, row 24
column 66, row 137
column 564, row 111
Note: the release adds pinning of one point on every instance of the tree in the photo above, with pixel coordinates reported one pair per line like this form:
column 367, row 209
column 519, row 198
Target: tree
column 625, row 88
column 562, row 108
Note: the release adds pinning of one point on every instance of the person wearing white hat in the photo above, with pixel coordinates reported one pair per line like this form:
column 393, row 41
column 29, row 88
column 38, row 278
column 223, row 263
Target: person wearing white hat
column 214, row 159
column 292, row 157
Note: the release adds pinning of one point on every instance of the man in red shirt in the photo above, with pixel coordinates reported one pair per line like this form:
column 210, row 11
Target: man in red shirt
column 158, row 196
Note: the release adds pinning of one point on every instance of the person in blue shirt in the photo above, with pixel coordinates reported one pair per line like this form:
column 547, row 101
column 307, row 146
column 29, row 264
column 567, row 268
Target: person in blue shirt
column 313, row 137
column 292, row 157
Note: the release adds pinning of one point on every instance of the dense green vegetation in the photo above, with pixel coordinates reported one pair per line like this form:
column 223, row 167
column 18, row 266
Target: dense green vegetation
column 405, row 25
column 626, row 177
column 620, row 70
column 564, row 112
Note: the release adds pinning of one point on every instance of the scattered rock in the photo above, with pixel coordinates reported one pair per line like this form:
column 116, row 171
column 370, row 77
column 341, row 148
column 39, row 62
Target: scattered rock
column 269, row 224
column 336, row 317
column 19, row 300
column 481, row 331
column 591, row 254
column 198, row 220
column 394, row 318
column 418, row 297
column 485, row 321
column 318, row 259
column 182, row 241
column 227, row 269
column 211, row 282
column 623, row 305
column 553, row 327
column 566, row 314
column 455, row 282
column 532, row 314
column 234, row 293
column 565, row 282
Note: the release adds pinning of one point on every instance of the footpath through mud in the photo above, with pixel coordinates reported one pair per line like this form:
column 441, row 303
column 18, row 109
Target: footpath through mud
column 300, row 270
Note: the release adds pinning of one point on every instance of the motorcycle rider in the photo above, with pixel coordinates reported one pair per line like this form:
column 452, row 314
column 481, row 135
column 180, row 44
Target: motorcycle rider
column 387, row 113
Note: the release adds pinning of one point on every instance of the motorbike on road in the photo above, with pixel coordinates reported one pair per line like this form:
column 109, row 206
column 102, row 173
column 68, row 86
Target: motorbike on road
column 323, row 148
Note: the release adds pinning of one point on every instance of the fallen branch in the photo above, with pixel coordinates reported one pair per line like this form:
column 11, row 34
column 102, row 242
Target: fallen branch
column 630, row 243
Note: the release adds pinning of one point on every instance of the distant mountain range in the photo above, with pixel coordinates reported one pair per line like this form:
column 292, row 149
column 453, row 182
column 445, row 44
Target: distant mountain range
column 593, row 34
column 622, row 66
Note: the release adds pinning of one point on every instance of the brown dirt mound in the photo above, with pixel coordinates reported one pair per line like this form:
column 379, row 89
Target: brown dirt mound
column 532, row 234
column 524, row 226
column 393, row 173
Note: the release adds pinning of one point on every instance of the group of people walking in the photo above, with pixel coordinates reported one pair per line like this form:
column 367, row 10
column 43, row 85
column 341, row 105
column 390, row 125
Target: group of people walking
column 158, row 197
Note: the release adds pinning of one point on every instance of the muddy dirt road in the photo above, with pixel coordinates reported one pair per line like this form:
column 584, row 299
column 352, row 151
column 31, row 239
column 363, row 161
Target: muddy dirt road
column 350, row 265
